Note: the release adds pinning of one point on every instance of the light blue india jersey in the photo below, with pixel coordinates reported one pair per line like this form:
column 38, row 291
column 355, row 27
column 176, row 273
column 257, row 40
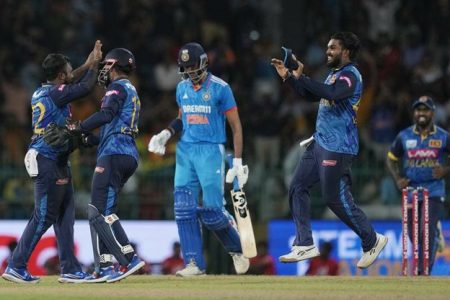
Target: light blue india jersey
column 336, row 129
column 203, row 110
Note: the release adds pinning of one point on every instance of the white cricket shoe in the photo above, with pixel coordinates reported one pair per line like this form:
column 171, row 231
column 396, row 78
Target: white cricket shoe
column 190, row 270
column 299, row 253
column 241, row 263
column 369, row 257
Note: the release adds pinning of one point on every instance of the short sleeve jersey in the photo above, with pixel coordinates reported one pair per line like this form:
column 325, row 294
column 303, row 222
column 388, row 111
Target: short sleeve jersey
column 419, row 155
column 203, row 110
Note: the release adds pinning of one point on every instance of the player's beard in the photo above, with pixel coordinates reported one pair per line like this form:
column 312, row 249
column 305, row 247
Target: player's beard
column 335, row 62
column 423, row 121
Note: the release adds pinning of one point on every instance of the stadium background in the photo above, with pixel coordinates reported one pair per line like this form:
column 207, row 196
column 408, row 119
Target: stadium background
column 405, row 54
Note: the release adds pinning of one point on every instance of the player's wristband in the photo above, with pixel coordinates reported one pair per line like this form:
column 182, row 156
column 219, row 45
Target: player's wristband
column 175, row 126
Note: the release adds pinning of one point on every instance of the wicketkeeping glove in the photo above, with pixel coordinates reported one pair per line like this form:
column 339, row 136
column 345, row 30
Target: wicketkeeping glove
column 239, row 171
column 158, row 142
column 57, row 136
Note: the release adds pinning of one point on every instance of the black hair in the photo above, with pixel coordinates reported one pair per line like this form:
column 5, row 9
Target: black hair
column 54, row 64
column 349, row 41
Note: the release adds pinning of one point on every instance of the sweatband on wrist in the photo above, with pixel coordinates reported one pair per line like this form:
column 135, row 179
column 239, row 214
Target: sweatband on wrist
column 175, row 126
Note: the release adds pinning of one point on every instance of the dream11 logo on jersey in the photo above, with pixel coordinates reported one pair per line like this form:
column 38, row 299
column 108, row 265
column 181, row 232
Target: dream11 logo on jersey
column 45, row 249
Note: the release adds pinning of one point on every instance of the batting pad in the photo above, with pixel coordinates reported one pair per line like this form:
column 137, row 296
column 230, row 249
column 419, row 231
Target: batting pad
column 188, row 227
column 216, row 221
column 107, row 232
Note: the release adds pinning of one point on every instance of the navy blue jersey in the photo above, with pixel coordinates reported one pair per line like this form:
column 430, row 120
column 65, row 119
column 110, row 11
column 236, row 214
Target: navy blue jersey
column 118, row 119
column 50, row 104
column 203, row 109
column 339, row 98
column 419, row 155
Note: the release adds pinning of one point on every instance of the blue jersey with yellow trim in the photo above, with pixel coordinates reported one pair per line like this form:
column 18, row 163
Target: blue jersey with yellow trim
column 419, row 155
column 203, row 109
column 117, row 136
column 336, row 129
column 44, row 112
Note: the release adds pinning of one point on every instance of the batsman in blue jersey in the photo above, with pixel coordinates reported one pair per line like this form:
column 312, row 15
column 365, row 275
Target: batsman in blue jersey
column 117, row 160
column 419, row 158
column 49, row 168
column 331, row 150
column 204, row 102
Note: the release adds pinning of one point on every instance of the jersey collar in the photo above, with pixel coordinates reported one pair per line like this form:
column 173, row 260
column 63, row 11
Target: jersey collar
column 432, row 131
column 205, row 83
column 337, row 69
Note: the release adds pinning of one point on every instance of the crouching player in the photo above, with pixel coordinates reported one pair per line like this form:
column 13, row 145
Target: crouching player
column 204, row 101
column 117, row 160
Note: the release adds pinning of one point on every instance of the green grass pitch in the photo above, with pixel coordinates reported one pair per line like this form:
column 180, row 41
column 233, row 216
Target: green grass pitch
column 236, row 287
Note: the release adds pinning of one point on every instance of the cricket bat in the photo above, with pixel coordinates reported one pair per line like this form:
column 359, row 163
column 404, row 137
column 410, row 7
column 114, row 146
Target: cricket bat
column 242, row 215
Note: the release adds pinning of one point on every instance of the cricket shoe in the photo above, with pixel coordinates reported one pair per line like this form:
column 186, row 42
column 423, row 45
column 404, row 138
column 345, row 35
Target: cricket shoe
column 19, row 275
column 101, row 276
column 125, row 271
column 369, row 257
column 299, row 253
column 241, row 263
column 77, row 277
column 190, row 270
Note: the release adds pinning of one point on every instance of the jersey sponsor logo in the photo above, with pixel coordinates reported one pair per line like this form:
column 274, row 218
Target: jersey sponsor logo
column 329, row 163
column 347, row 80
column 61, row 87
column 423, row 153
column 435, row 143
column 112, row 92
column 205, row 109
column 197, row 119
column 411, row 143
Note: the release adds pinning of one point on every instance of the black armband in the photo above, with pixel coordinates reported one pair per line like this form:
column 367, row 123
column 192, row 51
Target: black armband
column 175, row 126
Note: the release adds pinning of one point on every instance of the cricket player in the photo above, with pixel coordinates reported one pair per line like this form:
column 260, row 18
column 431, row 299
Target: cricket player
column 49, row 169
column 204, row 101
column 418, row 157
column 117, row 160
column 331, row 150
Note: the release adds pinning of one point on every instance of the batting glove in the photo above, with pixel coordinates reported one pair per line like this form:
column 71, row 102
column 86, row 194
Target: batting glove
column 239, row 171
column 158, row 142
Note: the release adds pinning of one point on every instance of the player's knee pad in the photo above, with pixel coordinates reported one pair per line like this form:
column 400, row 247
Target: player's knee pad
column 110, row 233
column 217, row 221
column 214, row 218
column 185, row 206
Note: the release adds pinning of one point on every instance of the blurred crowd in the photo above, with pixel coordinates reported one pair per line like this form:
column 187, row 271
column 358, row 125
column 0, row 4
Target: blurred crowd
column 405, row 54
